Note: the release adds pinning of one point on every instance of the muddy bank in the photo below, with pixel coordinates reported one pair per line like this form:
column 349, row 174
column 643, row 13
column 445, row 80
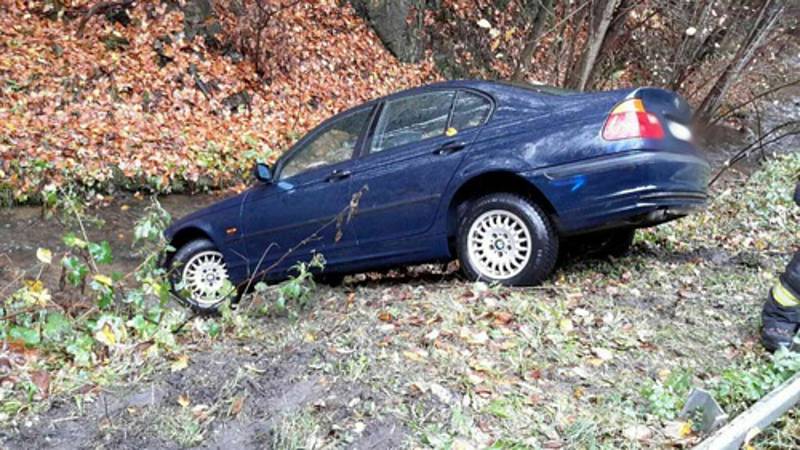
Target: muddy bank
column 231, row 396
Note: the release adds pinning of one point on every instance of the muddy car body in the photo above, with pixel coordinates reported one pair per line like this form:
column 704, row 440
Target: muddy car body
column 494, row 174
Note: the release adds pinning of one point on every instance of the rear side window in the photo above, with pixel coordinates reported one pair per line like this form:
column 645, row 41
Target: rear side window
column 412, row 119
column 470, row 110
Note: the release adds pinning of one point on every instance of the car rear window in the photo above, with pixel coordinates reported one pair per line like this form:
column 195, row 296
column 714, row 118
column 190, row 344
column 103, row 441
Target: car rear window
column 470, row 110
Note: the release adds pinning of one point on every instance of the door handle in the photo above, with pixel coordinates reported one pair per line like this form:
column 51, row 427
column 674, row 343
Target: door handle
column 338, row 175
column 449, row 148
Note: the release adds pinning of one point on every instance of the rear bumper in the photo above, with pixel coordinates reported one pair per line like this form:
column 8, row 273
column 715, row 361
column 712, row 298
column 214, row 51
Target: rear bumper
column 633, row 189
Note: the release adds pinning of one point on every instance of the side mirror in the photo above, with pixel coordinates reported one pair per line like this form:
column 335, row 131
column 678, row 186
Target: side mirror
column 263, row 173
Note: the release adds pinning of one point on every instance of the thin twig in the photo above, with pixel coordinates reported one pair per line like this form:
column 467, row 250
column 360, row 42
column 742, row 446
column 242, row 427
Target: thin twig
column 753, row 99
column 344, row 216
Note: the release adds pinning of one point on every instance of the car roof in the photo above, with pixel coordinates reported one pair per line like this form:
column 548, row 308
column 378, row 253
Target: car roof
column 509, row 97
column 490, row 87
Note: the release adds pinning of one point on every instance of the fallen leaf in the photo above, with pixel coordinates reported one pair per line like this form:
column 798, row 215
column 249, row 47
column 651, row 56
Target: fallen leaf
column 103, row 279
column 417, row 355
column 578, row 392
column 179, row 364
column 183, row 400
column 44, row 255
column 236, row 406
column 461, row 444
column 637, row 433
column 441, row 393
column 430, row 337
column 597, row 362
column 105, row 335
column 603, row 353
column 42, row 381
column 359, row 427
column 502, row 317
column 678, row 429
column 479, row 338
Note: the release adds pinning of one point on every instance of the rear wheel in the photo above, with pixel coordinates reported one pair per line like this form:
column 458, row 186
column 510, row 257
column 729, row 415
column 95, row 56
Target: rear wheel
column 199, row 276
column 618, row 243
column 601, row 244
column 506, row 238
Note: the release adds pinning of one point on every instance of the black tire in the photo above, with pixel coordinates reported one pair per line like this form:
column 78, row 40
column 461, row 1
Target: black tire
column 600, row 244
column 544, row 238
column 176, row 269
column 615, row 243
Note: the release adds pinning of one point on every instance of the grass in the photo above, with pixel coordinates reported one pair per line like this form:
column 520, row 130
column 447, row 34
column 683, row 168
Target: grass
column 296, row 431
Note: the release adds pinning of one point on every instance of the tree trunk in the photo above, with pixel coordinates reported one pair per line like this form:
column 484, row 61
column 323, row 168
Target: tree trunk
column 532, row 41
column 688, row 50
column 597, row 37
column 568, row 54
column 616, row 33
column 768, row 16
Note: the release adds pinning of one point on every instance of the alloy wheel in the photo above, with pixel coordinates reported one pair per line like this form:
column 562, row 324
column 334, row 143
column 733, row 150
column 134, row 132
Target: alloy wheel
column 204, row 276
column 499, row 244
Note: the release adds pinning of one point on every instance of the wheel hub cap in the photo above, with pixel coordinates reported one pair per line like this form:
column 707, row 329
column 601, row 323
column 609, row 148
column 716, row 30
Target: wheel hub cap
column 499, row 244
column 204, row 276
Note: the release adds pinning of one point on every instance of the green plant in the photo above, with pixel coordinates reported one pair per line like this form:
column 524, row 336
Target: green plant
column 119, row 313
column 294, row 292
column 737, row 387
column 666, row 398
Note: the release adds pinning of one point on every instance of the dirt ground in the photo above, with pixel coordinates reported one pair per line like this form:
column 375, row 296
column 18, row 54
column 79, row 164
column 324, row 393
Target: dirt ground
column 251, row 398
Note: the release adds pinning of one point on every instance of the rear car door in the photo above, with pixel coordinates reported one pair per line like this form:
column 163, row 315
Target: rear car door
column 414, row 149
column 312, row 187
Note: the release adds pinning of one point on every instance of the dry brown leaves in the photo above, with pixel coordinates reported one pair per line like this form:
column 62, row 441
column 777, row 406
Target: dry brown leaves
column 99, row 108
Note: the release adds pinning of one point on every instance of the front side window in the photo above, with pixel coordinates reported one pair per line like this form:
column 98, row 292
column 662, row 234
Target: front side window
column 333, row 145
column 470, row 110
column 412, row 119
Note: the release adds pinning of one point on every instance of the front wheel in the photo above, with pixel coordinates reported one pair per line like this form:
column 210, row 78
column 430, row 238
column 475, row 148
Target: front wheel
column 199, row 276
column 508, row 239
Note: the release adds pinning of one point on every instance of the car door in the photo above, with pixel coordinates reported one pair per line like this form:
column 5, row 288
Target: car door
column 415, row 147
column 295, row 216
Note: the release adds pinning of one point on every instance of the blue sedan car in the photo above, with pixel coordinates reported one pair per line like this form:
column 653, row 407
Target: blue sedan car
column 493, row 174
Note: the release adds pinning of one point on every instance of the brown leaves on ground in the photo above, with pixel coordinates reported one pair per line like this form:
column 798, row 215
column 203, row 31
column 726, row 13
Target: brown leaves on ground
column 121, row 104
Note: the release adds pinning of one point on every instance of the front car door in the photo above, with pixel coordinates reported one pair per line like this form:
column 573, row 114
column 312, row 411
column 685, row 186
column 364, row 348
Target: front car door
column 295, row 216
column 416, row 146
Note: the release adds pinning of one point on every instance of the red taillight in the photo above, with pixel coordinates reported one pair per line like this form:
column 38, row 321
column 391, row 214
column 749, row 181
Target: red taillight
column 629, row 120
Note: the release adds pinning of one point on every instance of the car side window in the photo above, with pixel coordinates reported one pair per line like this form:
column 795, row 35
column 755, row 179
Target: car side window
column 412, row 119
column 470, row 110
column 335, row 144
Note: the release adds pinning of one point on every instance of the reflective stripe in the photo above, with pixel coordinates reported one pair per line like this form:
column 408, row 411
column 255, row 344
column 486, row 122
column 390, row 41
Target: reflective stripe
column 783, row 296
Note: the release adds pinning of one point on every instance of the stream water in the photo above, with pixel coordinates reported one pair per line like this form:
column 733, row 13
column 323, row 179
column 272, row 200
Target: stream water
column 24, row 229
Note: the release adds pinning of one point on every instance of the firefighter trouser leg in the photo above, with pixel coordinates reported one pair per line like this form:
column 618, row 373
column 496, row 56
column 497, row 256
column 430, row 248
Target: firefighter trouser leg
column 781, row 314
